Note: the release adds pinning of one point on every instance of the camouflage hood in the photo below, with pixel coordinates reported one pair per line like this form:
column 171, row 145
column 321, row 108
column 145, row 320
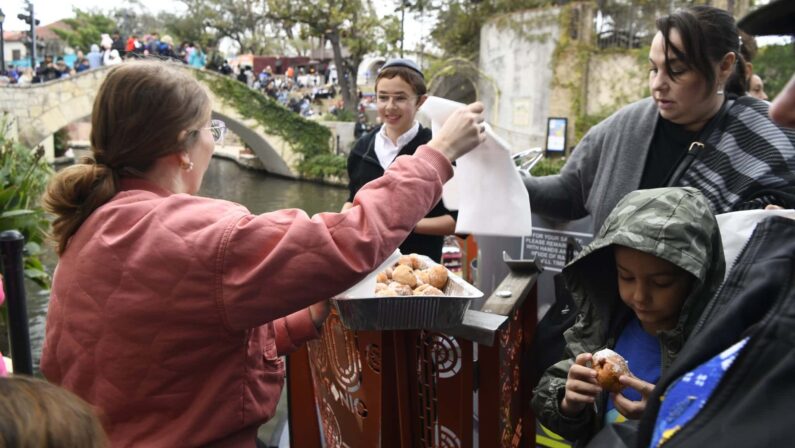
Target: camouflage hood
column 674, row 224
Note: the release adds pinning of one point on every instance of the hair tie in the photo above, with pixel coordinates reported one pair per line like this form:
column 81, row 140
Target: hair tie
column 99, row 159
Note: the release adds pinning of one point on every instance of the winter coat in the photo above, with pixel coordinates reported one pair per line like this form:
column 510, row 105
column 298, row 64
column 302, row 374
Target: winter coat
column 169, row 311
column 752, row 405
column 674, row 224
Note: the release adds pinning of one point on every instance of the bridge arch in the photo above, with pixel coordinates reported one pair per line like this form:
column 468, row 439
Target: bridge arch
column 42, row 109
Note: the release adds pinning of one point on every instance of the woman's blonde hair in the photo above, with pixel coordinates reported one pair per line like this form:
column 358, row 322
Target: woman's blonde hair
column 37, row 414
column 139, row 112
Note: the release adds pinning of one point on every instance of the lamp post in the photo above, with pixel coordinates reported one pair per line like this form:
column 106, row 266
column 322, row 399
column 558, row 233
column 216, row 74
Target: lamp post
column 2, row 45
column 402, row 19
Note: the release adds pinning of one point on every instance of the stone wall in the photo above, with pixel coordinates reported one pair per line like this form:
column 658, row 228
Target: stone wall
column 615, row 79
column 515, row 57
column 42, row 109
column 532, row 76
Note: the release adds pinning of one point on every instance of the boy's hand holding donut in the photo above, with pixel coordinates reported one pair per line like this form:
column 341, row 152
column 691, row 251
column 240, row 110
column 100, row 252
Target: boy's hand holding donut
column 581, row 386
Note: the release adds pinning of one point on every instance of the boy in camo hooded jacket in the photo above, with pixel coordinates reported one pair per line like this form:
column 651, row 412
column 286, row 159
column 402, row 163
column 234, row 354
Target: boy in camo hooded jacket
column 640, row 287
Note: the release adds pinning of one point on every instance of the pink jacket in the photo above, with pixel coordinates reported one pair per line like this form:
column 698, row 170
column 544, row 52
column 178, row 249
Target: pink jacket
column 169, row 311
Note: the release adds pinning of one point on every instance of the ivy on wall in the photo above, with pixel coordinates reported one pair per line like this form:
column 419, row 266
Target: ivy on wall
column 573, row 57
column 309, row 139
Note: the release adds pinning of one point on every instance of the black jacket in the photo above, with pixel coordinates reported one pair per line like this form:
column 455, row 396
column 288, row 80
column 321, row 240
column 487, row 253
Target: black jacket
column 363, row 167
column 753, row 404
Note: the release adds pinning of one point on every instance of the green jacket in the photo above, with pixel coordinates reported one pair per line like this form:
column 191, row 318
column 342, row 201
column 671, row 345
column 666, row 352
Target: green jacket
column 675, row 224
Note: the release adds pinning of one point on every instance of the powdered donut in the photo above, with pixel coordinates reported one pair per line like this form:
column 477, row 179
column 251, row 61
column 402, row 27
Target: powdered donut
column 609, row 366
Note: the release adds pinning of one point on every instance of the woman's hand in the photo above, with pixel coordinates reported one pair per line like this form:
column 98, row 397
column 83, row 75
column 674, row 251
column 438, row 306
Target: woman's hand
column 581, row 387
column 319, row 312
column 628, row 408
column 462, row 132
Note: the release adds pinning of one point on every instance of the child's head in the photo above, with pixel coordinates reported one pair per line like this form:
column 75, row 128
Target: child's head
column 35, row 413
column 653, row 288
column 400, row 91
column 659, row 252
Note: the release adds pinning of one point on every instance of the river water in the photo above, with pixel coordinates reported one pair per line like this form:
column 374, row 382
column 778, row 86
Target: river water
column 224, row 179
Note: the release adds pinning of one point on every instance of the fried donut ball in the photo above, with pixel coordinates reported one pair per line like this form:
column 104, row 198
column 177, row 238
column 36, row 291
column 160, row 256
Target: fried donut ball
column 422, row 277
column 381, row 277
column 386, row 292
column 416, row 262
column 438, row 276
column 405, row 260
column 609, row 366
column 401, row 289
column 404, row 274
column 427, row 290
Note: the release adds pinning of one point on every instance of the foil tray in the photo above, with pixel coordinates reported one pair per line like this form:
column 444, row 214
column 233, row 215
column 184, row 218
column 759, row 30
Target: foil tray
column 409, row 312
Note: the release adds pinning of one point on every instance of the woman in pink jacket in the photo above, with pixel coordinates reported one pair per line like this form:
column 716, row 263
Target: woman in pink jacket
column 169, row 311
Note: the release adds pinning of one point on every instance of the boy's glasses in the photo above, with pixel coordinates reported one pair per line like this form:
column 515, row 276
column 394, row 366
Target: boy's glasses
column 218, row 130
column 400, row 100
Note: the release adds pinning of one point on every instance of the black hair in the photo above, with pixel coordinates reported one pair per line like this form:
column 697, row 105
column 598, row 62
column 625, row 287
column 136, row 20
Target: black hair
column 707, row 34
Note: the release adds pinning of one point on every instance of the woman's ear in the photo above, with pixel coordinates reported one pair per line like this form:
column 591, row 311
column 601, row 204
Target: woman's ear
column 182, row 158
column 727, row 66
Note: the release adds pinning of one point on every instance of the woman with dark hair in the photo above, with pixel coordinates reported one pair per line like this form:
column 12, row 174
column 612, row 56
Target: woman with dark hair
column 689, row 133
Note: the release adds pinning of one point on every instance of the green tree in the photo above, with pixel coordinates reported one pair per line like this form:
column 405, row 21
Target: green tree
column 775, row 64
column 132, row 18
column 350, row 26
column 86, row 28
column 458, row 24
column 245, row 21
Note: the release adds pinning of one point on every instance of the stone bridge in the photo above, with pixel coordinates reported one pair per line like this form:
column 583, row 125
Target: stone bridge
column 42, row 109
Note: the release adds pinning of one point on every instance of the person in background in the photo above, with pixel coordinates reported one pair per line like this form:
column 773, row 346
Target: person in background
column 13, row 73
column 26, row 77
column 361, row 127
column 756, row 88
column 153, row 43
column 166, row 47
column 169, row 311
column 94, row 57
column 47, row 70
column 132, row 45
column 640, row 288
column 118, row 44
column 82, row 65
column 111, row 58
column 62, row 68
column 400, row 91
column 746, row 160
column 226, row 69
column 37, row 414
column 197, row 58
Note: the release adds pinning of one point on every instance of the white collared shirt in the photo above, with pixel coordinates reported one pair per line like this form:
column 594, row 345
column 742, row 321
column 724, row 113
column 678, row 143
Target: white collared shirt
column 386, row 151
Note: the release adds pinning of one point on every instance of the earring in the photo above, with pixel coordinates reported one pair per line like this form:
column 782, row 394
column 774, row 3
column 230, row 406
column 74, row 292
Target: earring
column 187, row 166
column 720, row 92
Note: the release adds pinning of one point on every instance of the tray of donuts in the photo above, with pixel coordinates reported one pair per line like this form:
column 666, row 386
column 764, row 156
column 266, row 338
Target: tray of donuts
column 410, row 294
